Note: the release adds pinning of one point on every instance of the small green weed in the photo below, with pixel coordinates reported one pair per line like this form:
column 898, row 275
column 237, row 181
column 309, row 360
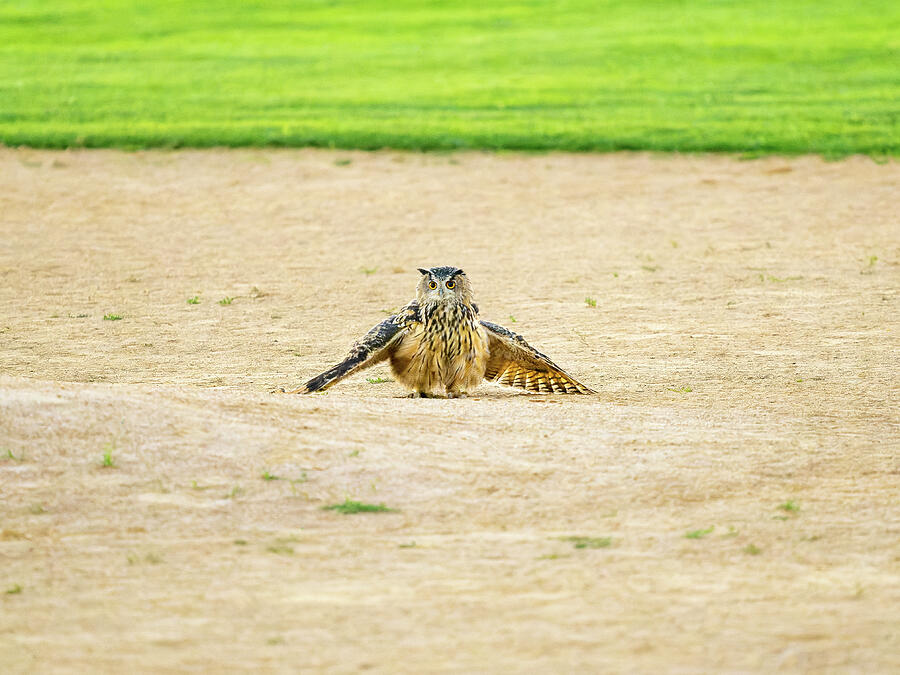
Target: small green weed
column 512, row 318
column 349, row 506
column 194, row 300
column 226, row 300
column 681, row 390
column 112, row 317
column 37, row 509
column 108, row 461
column 790, row 506
column 590, row 302
column 343, row 162
column 589, row 542
column 268, row 476
column 378, row 380
column 368, row 271
column 275, row 641
column 240, row 542
column 650, row 268
column 752, row 549
column 280, row 549
column 411, row 544
column 870, row 267
column 236, row 492
column 10, row 455
column 699, row 534
column 15, row 589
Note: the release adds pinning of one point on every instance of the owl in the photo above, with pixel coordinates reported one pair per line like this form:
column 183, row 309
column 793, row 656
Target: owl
column 438, row 346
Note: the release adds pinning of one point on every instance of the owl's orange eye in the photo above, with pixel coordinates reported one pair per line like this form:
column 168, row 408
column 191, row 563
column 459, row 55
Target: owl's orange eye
column 451, row 284
column 432, row 285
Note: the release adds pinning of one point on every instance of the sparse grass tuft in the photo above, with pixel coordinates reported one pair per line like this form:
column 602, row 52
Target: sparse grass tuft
column 343, row 162
column 226, row 301
column 411, row 544
column 752, row 549
column 108, row 462
column 512, row 318
column 378, row 380
column 682, row 390
column 589, row 542
column 870, row 266
column 10, row 455
column 280, row 549
column 790, row 506
column 15, row 589
column 236, row 492
column 240, row 542
column 590, row 302
column 268, row 476
column 349, row 506
column 699, row 534
column 368, row 271
column 112, row 317
column 194, row 300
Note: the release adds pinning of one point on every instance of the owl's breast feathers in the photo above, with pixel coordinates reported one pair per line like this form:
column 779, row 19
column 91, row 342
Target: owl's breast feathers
column 445, row 349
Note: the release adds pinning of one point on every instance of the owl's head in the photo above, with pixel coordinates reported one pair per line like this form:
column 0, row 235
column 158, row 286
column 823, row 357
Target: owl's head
column 444, row 285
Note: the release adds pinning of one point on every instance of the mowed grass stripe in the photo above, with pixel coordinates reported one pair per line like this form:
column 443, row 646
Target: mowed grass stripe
column 754, row 77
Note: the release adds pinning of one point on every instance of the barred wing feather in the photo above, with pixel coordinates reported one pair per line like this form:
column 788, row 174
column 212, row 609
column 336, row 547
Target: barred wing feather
column 516, row 363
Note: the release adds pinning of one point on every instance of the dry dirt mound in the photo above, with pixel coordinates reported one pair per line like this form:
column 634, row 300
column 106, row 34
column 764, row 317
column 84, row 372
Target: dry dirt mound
column 729, row 501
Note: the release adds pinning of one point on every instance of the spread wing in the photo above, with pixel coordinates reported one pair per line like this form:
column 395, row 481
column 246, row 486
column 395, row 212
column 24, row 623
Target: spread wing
column 514, row 362
column 374, row 347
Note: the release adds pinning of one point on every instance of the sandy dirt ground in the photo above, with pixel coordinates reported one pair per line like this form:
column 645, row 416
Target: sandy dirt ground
column 745, row 345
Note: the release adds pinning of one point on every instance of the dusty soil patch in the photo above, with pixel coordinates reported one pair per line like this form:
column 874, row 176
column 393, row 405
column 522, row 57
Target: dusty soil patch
column 744, row 341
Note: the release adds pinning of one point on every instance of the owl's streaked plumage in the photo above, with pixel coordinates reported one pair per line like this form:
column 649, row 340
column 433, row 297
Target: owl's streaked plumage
column 437, row 344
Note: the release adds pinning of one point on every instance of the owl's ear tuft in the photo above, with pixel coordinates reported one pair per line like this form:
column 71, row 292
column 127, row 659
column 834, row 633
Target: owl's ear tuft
column 425, row 272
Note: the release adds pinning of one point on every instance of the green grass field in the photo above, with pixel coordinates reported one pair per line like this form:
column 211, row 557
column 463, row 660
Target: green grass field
column 757, row 76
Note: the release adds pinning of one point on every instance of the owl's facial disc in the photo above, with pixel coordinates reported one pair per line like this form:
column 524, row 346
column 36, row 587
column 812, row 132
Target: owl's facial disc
column 442, row 284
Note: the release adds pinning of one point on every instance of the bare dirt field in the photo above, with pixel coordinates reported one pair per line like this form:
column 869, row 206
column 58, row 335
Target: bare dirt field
column 745, row 345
